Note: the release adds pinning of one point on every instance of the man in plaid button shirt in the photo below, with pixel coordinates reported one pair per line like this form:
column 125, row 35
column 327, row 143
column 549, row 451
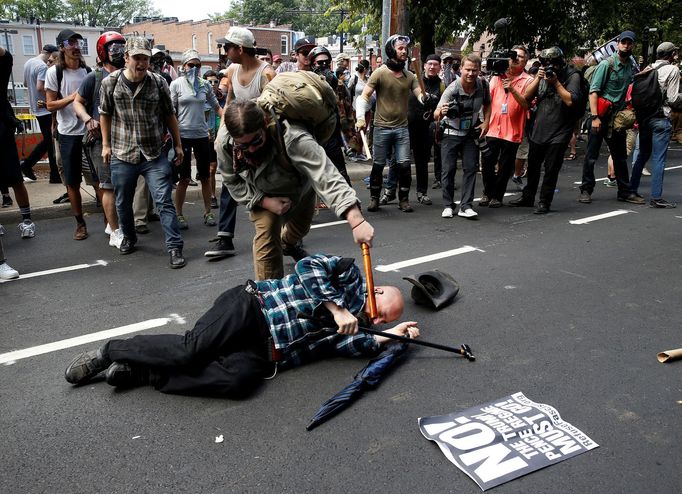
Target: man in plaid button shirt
column 250, row 331
column 135, row 110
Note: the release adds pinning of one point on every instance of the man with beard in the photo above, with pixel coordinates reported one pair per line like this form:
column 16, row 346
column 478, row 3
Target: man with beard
column 509, row 108
column 279, row 188
column 393, row 84
column 135, row 109
column 609, row 87
column 421, row 125
column 110, row 48
column 557, row 87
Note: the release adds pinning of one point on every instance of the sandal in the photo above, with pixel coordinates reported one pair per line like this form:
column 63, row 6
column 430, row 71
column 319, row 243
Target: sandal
column 571, row 157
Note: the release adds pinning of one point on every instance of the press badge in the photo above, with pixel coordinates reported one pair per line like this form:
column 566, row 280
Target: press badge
column 465, row 123
column 504, row 108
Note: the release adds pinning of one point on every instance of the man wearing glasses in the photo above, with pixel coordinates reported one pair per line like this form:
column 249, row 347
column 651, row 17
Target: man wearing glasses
column 244, row 80
column 61, row 93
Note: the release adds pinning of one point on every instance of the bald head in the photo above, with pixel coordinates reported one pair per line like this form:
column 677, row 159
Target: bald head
column 390, row 304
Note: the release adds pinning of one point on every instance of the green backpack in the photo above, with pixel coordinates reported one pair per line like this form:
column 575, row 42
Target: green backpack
column 302, row 97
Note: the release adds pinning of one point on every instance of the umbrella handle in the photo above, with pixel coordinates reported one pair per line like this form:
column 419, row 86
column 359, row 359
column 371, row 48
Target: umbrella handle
column 371, row 299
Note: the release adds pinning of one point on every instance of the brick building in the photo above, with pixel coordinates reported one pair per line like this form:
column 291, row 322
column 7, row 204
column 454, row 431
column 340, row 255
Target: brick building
column 203, row 35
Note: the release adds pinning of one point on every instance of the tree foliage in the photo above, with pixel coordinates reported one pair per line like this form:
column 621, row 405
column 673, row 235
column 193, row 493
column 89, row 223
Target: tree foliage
column 112, row 13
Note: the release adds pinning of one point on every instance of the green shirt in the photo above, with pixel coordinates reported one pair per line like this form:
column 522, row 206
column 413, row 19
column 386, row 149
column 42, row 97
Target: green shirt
column 612, row 84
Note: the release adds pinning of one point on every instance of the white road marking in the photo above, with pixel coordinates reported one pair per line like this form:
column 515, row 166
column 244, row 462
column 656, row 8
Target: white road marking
column 605, row 178
column 332, row 223
column 11, row 357
column 58, row 270
column 420, row 260
column 590, row 219
column 506, row 194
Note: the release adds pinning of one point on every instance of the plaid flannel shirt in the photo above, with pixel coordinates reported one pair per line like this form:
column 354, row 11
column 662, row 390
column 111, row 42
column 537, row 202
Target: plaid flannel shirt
column 317, row 279
column 138, row 121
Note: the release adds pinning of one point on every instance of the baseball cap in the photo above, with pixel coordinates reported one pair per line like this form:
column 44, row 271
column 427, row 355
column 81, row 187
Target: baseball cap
column 666, row 49
column 66, row 34
column 445, row 55
column 190, row 55
column 156, row 50
column 137, row 45
column 433, row 58
column 48, row 48
column 342, row 56
column 626, row 35
column 239, row 36
column 308, row 42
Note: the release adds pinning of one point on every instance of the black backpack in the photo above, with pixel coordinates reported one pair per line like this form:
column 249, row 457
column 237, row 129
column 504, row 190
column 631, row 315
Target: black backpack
column 577, row 109
column 647, row 98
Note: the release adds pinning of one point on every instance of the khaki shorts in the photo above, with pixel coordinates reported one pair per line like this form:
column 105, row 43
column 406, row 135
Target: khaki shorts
column 522, row 152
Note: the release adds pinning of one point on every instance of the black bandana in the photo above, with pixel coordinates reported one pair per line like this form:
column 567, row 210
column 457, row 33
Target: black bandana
column 394, row 65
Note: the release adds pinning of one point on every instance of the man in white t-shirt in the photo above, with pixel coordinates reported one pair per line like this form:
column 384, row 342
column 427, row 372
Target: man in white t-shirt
column 34, row 79
column 61, row 85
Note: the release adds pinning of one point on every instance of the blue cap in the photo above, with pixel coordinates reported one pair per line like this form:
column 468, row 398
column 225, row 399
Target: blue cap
column 626, row 35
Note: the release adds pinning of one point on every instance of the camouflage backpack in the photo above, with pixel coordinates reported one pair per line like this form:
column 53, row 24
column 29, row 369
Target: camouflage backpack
column 302, row 97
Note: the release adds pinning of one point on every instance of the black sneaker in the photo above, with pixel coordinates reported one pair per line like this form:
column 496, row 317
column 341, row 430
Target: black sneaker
column 585, row 197
column 296, row 251
column 484, row 201
column 86, row 366
column 542, row 208
column 494, row 203
column 127, row 246
column 387, row 196
column 62, row 199
column 123, row 375
column 7, row 201
column 223, row 247
column 28, row 172
column 214, row 203
column 373, row 204
column 142, row 229
column 176, row 260
column 661, row 203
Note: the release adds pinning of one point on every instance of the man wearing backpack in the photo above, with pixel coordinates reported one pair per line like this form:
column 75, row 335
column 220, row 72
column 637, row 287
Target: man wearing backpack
column 558, row 91
column 608, row 88
column 653, row 114
column 135, row 110
column 110, row 48
column 61, row 87
column 277, row 170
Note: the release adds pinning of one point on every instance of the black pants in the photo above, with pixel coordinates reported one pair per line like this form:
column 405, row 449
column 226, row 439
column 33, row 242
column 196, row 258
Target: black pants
column 46, row 145
column 504, row 153
column 225, row 354
column 552, row 155
column 422, row 140
column 333, row 149
column 617, row 148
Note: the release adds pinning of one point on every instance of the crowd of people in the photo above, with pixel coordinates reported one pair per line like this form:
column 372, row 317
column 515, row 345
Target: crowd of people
column 130, row 127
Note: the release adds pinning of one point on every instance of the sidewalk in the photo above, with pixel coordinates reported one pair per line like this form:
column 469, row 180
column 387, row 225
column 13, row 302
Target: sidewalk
column 41, row 193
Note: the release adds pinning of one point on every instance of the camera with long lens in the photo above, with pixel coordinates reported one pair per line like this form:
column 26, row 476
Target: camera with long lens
column 550, row 71
column 498, row 61
column 456, row 110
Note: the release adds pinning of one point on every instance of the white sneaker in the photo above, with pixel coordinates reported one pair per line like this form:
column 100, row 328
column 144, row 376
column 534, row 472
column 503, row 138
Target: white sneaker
column 447, row 213
column 467, row 213
column 116, row 238
column 108, row 230
column 27, row 229
column 7, row 272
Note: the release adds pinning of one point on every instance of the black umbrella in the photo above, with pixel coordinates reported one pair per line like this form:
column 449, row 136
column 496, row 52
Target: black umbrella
column 368, row 378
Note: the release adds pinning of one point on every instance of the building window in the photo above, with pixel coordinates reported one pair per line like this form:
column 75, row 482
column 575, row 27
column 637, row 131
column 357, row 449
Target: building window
column 85, row 51
column 194, row 42
column 28, row 45
column 6, row 42
column 285, row 44
column 210, row 42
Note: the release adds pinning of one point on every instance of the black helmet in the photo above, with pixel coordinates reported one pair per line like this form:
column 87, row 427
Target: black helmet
column 319, row 50
column 389, row 47
column 553, row 55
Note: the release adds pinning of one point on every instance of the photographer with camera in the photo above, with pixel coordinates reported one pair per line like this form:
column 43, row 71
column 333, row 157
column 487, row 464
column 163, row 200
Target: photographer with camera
column 557, row 87
column 509, row 109
column 459, row 114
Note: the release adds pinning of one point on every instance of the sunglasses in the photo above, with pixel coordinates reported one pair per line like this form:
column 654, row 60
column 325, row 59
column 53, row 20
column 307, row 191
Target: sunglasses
column 304, row 52
column 116, row 48
column 256, row 141
column 193, row 65
column 73, row 43
column 322, row 63
column 215, row 82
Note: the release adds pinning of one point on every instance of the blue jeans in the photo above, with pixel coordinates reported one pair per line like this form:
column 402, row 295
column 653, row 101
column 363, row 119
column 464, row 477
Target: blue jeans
column 158, row 176
column 387, row 141
column 654, row 138
column 227, row 213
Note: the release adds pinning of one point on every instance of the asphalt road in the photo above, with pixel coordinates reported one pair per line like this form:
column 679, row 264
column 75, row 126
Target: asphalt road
column 572, row 315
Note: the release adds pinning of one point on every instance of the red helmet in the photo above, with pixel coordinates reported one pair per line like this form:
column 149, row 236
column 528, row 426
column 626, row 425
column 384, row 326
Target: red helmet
column 104, row 40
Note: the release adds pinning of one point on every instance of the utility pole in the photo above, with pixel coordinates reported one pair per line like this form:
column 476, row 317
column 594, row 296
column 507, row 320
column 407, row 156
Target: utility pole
column 7, row 32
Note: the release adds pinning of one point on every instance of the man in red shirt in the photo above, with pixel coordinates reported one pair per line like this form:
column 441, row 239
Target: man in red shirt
column 507, row 121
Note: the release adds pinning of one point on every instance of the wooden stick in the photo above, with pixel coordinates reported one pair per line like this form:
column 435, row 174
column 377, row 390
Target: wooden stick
column 369, row 278
column 365, row 146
